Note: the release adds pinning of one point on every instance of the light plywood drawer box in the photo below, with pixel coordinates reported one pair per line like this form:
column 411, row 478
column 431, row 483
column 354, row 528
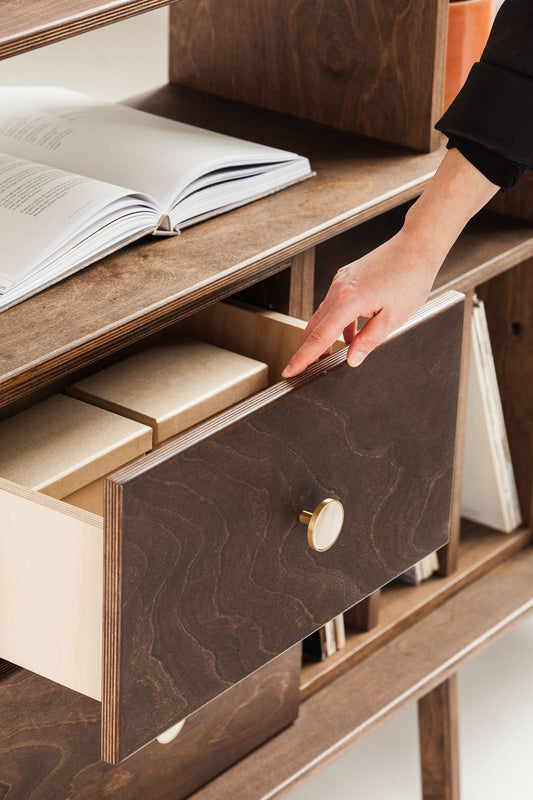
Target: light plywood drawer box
column 51, row 575
column 207, row 571
column 169, row 387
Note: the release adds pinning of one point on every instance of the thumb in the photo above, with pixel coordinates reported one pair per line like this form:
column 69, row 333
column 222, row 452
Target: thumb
column 369, row 337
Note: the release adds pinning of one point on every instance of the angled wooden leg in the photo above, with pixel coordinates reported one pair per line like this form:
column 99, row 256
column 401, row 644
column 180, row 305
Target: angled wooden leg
column 438, row 734
column 302, row 283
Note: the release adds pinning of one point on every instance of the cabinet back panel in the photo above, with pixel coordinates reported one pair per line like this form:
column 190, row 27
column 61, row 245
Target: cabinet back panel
column 373, row 67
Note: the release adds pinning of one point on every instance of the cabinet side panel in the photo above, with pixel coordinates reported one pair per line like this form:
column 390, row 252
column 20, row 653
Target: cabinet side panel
column 373, row 67
column 509, row 305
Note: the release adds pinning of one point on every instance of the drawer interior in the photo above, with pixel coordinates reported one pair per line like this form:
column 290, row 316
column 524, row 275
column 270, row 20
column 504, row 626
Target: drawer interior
column 204, row 573
column 51, row 570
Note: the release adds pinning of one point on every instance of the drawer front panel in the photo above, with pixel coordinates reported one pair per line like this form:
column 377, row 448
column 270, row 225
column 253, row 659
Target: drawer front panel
column 212, row 576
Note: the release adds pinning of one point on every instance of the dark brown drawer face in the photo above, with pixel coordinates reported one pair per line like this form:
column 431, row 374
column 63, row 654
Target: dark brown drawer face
column 208, row 571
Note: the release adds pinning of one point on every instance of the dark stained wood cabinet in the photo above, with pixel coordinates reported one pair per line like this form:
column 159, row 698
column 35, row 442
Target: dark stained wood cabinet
column 239, row 583
column 209, row 583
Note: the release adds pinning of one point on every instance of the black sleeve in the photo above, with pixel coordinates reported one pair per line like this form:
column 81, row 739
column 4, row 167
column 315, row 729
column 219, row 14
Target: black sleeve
column 491, row 119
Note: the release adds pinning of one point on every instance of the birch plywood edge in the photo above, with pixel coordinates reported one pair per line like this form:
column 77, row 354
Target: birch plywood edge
column 51, row 588
column 36, row 23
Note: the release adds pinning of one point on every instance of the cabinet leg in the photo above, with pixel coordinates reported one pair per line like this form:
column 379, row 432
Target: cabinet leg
column 302, row 284
column 438, row 735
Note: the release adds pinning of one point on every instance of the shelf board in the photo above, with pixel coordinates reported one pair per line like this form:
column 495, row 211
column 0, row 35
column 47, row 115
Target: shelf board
column 402, row 605
column 489, row 245
column 35, row 23
column 146, row 286
column 398, row 674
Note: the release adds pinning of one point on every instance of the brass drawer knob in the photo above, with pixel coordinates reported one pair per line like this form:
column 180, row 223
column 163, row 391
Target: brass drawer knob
column 324, row 524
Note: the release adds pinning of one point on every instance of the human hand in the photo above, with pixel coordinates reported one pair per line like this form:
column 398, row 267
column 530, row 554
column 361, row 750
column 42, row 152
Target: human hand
column 391, row 283
column 387, row 286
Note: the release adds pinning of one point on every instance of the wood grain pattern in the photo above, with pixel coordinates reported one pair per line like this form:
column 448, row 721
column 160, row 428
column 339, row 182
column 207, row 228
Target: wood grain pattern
column 111, row 304
column 481, row 549
column 302, row 284
column 509, row 308
column 400, row 673
column 50, row 738
column 238, row 584
column 32, row 24
column 439, row 742
column 375, row 68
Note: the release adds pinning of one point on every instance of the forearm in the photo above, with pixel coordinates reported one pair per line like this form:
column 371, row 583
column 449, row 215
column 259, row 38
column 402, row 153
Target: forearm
column 456, row 192
column 389, row 284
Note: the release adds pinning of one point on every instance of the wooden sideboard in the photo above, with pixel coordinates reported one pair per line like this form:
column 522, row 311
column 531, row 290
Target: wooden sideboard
column 281, row 252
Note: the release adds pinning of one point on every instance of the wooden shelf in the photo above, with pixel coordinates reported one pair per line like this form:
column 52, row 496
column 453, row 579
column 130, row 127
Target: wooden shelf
column 402, row 605
column 35, row 23
column 489, row 245
column 400, row 673
column 147, row 286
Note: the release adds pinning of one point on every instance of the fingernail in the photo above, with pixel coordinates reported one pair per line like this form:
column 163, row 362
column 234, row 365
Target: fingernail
column 287, row 372
column 355, row 359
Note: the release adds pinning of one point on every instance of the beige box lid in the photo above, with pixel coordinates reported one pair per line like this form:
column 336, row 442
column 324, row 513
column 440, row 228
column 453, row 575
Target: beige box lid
column 174, row 386
column 61, row 444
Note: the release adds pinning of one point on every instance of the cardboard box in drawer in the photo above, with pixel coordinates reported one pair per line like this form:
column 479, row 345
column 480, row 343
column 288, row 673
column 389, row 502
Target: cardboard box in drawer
column 174, row 386
column 60, row 445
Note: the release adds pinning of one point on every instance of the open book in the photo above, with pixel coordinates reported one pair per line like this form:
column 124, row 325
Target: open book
column 80, row 178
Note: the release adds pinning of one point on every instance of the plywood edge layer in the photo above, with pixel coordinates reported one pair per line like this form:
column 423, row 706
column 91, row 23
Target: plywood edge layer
column 60, row 507
column 111, row 637
column 442, row 303
column 139, row 325
column 17, row 42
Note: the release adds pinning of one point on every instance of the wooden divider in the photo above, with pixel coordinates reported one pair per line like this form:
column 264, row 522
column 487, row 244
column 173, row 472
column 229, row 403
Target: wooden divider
column 375, row 68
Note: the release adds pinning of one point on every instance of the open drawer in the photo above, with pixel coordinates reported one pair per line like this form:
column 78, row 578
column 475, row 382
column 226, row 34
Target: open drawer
column 206, row 572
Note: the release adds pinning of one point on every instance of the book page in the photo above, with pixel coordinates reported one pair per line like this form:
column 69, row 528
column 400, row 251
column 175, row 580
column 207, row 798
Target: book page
column 44, row 212
column 149, row 154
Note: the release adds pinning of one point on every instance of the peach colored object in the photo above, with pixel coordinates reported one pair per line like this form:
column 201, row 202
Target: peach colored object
column 469, row 23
